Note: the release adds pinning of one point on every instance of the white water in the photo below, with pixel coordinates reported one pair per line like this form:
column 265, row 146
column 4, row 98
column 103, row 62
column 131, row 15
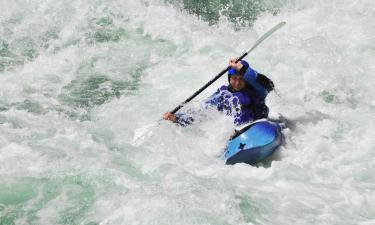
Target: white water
column 71, row 151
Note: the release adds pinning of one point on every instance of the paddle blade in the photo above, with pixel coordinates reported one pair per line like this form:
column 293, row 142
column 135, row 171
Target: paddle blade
column 266, row 35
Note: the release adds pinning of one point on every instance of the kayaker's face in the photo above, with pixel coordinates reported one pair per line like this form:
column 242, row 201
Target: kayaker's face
column 237, row 82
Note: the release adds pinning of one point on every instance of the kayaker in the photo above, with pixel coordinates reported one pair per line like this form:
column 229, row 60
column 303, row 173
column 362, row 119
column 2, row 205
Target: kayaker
column 244, row 97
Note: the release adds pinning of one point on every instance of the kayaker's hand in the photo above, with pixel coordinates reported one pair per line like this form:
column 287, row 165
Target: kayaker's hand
column 169, row 116
column 237, row 66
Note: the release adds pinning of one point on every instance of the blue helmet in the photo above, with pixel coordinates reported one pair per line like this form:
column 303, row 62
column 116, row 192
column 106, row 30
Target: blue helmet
column 232, row 71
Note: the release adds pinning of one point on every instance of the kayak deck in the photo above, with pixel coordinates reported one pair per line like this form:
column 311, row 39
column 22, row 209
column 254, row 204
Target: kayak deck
column 254, row 142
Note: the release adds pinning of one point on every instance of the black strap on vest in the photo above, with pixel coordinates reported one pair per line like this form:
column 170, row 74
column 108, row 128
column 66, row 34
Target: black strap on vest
column 266, row 82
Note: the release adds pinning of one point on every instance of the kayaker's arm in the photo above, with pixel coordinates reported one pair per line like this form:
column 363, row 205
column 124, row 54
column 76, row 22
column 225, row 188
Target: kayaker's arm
column 179, row 118
column 251, row 77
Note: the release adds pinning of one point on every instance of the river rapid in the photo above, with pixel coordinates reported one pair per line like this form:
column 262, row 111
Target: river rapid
column 83, row 85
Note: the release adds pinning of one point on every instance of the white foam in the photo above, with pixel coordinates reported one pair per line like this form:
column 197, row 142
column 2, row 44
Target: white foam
column 165, row 174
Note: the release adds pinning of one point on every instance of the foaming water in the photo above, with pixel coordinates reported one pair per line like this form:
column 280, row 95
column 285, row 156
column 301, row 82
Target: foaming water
column 84, row 83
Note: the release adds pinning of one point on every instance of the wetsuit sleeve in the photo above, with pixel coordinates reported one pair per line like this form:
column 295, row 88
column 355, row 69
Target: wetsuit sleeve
column 183, row 119
column 216, row 98
column 251, row 77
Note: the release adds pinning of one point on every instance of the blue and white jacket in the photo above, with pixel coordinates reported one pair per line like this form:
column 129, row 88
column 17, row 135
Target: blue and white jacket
column 244, row 106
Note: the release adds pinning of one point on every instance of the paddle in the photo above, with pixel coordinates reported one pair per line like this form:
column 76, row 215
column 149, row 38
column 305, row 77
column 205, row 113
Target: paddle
column 260, row 40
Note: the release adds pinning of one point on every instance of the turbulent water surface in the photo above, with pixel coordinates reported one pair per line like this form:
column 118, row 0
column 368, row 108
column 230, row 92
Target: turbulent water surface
column 83, row 84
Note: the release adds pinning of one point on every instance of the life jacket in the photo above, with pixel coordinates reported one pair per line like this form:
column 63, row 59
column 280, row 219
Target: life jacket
column 257, row 106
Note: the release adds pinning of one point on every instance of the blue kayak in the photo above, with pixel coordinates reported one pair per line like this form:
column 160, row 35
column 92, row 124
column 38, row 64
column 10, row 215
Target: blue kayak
column 254, row 142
